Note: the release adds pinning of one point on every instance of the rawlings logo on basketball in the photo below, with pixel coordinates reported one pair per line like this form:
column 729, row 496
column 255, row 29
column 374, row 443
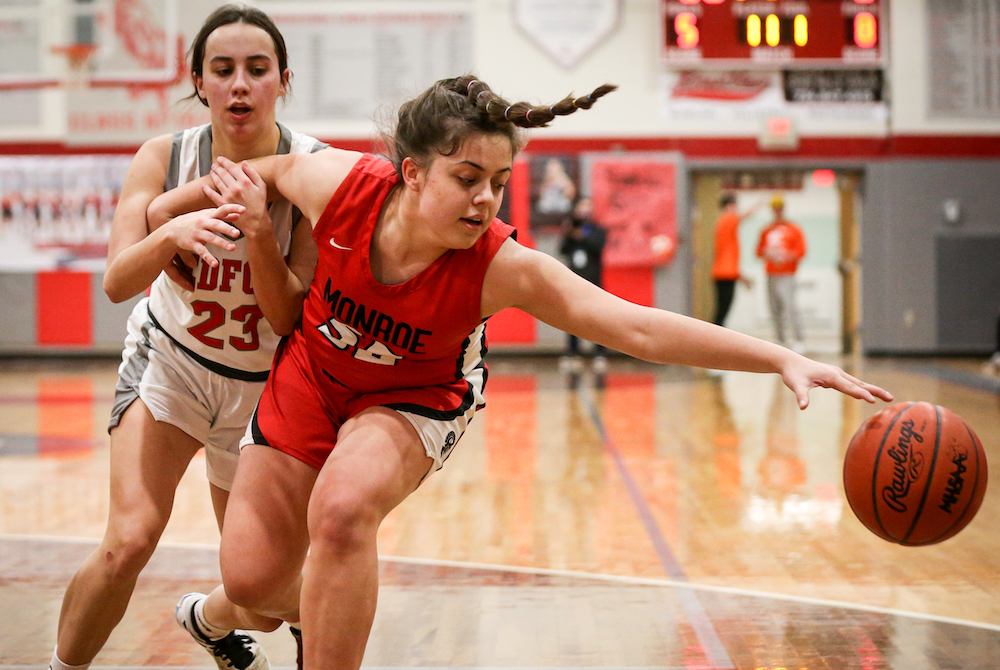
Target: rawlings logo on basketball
column 906, row 470
column 955, row 482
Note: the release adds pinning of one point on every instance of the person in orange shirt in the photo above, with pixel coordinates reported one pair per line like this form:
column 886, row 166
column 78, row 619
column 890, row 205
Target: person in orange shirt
column 782, row 245
column 726, row 268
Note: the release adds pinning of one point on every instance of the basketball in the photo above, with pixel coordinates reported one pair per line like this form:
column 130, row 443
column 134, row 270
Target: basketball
column 915, row 473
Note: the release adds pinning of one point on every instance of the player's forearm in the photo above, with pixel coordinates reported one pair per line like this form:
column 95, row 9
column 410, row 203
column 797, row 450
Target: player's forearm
column 186, row 198
column 134, row 268
column 278, row 291
column 665, row 337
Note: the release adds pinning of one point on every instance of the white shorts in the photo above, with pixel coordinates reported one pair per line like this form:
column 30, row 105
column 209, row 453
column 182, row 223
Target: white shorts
column 210, row 407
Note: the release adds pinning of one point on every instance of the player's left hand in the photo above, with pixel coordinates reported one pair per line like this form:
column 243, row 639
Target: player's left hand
column 801, row 374
column 240, row 184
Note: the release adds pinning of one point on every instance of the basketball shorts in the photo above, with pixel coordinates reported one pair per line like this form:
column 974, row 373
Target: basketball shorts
column 297, row 418
column 208, row 406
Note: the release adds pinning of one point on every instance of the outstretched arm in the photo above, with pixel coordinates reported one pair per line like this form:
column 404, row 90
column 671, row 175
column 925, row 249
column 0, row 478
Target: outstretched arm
column 543, row 287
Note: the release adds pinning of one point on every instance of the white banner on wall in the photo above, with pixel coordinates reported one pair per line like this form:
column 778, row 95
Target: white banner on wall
column 348, row 65
column 567, row 29
column 964, row 58
column 742, row 101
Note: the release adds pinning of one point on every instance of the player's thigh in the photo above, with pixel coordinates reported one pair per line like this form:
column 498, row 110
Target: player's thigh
column 265, row 536
column 148, row 459
column 378, row 461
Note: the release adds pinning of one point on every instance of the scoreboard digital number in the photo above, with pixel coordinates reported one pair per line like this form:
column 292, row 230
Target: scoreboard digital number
column 772, row 33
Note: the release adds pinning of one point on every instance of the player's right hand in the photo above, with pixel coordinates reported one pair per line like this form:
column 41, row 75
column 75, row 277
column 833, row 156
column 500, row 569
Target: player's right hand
column 195, row 231
column 240, row 183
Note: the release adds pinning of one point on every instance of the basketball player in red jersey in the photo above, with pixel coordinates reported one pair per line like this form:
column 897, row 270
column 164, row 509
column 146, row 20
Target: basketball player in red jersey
column 370, row 395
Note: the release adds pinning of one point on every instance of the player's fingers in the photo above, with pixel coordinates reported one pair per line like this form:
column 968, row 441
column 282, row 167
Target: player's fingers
column 223, row 187
column 223, row 228
column 253, row 175
column 843, row 384
column 802, row 397
column 234, row 170
column 225, row 210
column 224, row 176
column 876, row 391
column 213, row 194
column 222, row 242
column 205, row 255
column 206, row 236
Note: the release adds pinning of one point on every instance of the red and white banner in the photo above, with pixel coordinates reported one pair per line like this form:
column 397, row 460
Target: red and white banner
column 636, row 202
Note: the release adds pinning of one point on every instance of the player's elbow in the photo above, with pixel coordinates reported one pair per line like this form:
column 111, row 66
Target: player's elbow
column 285, row 323
column 113, row 290
column 283, row 328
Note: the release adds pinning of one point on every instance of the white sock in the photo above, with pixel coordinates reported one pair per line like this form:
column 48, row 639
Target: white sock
column 56, row 664
column 212, row 632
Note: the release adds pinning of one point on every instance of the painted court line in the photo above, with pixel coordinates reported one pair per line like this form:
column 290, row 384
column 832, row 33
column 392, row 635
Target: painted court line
column 715, row 652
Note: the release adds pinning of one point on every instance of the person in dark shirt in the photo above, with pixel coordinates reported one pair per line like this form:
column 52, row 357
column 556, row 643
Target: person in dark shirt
column 582, row 247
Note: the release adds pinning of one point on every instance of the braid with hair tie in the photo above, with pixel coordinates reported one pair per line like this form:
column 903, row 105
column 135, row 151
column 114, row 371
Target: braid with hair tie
column 505, row 113
column 527, row 115
column 468, row 89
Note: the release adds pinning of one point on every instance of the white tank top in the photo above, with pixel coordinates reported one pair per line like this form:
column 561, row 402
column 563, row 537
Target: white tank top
column 219, row 323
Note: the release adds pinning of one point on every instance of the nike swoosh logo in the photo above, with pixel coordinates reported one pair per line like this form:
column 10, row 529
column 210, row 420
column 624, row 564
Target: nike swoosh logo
column 337, row 246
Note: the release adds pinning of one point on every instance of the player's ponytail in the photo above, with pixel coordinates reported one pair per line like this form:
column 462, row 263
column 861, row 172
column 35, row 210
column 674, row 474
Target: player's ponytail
column 523, row 114
column 442, row 117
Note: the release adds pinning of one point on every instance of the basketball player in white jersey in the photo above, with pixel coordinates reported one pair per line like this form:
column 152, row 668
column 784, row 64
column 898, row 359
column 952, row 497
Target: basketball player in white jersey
column 199, row 348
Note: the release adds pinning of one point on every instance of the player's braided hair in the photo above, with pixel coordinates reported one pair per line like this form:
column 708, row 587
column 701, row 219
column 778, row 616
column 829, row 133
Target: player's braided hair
column 442, row 117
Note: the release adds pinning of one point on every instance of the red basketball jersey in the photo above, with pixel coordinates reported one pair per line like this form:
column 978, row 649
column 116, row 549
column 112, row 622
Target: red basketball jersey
column 363, row 336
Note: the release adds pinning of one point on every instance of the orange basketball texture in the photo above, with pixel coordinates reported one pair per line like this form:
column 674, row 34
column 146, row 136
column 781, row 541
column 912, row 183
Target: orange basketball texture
column 915, row 473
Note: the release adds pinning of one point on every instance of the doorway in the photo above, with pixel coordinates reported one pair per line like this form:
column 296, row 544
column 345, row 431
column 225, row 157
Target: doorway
column 825, row 204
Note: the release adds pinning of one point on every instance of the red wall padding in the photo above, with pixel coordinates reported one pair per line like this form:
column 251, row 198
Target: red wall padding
column 63, row 310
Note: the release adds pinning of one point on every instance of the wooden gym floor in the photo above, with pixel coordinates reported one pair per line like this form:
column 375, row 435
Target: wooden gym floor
column 663, row 519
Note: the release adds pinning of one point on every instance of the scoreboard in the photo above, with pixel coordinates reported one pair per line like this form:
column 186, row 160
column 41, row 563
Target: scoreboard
column 745, row 34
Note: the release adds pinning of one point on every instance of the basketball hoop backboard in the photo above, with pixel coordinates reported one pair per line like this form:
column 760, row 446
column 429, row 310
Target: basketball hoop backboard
column 99, row 43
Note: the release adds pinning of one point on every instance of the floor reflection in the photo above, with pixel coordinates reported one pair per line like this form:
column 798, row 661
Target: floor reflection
column 676, row 506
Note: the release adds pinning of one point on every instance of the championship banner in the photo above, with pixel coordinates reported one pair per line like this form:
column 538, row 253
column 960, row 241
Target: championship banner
column 636, row 203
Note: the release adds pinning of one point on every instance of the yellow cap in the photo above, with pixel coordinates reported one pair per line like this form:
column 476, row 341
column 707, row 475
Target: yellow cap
column 778, row 200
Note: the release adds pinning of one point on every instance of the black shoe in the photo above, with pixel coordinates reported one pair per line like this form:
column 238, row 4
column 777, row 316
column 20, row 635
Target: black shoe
column 297, row 634
column 235, row 651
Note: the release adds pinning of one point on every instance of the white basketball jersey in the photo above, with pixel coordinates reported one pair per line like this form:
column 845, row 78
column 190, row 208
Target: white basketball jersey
column 220, row 323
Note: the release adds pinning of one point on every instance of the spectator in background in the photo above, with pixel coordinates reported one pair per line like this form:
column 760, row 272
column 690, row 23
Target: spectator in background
column 782, row 245
column 582, row 247
column 726, row 268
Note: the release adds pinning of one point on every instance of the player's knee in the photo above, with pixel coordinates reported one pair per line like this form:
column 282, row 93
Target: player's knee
column 259, row 581
column 342, row 522
column 127, row 551
column 248, row 589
